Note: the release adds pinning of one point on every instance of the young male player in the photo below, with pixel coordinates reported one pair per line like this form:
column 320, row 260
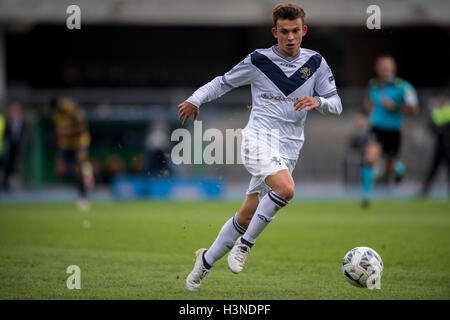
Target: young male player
column 283, row 80
column 389, row 97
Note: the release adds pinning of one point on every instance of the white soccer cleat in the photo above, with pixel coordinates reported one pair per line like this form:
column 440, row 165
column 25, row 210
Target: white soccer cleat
column 194, row 279
column 237, row 256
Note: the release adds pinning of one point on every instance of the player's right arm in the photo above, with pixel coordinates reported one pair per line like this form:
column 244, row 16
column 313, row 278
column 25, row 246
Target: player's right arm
column 242, row 74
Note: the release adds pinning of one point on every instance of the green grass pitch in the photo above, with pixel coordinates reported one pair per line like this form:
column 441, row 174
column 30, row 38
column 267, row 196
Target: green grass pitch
column 144, row 250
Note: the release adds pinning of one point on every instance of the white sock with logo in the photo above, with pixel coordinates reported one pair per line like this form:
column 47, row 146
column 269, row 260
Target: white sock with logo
column 230, row 231
column 264, row 214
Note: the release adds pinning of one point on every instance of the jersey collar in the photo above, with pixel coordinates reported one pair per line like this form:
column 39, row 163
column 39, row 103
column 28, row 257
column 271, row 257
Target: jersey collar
column 289, row 59
column 390, row 82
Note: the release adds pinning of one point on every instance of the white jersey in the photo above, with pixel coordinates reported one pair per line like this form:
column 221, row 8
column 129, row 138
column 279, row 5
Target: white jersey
column 276, row 83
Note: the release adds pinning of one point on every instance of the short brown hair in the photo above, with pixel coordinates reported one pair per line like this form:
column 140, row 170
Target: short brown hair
column 288, row 11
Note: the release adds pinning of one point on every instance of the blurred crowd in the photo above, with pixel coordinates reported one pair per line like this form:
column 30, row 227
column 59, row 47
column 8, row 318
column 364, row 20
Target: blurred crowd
column 72, row 140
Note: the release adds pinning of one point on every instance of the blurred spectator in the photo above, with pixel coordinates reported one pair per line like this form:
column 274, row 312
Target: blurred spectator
column 114, row 165
column 103, row 109
column 73, row 140
column 137, row 164
column 439, row 124
column 2, row 131
column 157, row 144
column 14, row 132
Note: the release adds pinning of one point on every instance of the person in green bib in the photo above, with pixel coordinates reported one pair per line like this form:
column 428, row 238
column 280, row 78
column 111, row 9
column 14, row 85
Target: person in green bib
column 440, row 127
column 388, row 98
column 2, row 131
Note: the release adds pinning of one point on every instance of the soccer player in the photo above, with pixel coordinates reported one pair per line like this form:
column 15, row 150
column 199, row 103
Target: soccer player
column 73, row 140
column 389, row 97
column 283, row 80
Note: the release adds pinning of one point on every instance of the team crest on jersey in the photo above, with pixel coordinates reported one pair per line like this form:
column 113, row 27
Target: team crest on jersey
column 306, row 73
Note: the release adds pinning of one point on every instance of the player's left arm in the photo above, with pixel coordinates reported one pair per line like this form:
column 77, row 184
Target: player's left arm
column 327, row 101
column 411, row 102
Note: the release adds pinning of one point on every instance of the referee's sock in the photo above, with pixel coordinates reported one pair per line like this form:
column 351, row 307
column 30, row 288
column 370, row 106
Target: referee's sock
column 366, row 180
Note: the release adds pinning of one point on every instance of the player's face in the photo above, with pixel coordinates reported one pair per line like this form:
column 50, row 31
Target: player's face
column 385, row 68
column 289, row 34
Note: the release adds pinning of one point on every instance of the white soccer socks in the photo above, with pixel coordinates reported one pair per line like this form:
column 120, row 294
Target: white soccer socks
column 264, row 214
column 235, row 237
column 230, row 231
column 205, row 258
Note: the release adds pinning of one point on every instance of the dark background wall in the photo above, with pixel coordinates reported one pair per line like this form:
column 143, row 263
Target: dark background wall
column 137, row 56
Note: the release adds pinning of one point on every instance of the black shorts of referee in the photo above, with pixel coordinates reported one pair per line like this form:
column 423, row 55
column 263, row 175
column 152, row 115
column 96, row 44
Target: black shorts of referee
column 389, row 140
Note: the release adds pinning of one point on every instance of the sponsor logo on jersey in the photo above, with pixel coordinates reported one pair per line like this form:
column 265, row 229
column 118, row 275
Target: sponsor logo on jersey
column 277, row 98
column 288, row 65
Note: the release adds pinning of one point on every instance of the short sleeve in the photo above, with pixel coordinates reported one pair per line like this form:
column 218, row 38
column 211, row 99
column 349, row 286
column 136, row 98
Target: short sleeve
column 410, row 95
column 325, row 85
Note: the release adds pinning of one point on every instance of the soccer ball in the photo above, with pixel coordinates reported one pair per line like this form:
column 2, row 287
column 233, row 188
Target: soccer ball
column 363, row 267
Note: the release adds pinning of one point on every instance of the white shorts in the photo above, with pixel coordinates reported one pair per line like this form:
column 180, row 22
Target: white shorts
column 261, row 157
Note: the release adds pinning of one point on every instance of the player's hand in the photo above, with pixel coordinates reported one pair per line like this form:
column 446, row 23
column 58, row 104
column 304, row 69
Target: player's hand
column 306, row 102
column 185, row 110
column 388, row 104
